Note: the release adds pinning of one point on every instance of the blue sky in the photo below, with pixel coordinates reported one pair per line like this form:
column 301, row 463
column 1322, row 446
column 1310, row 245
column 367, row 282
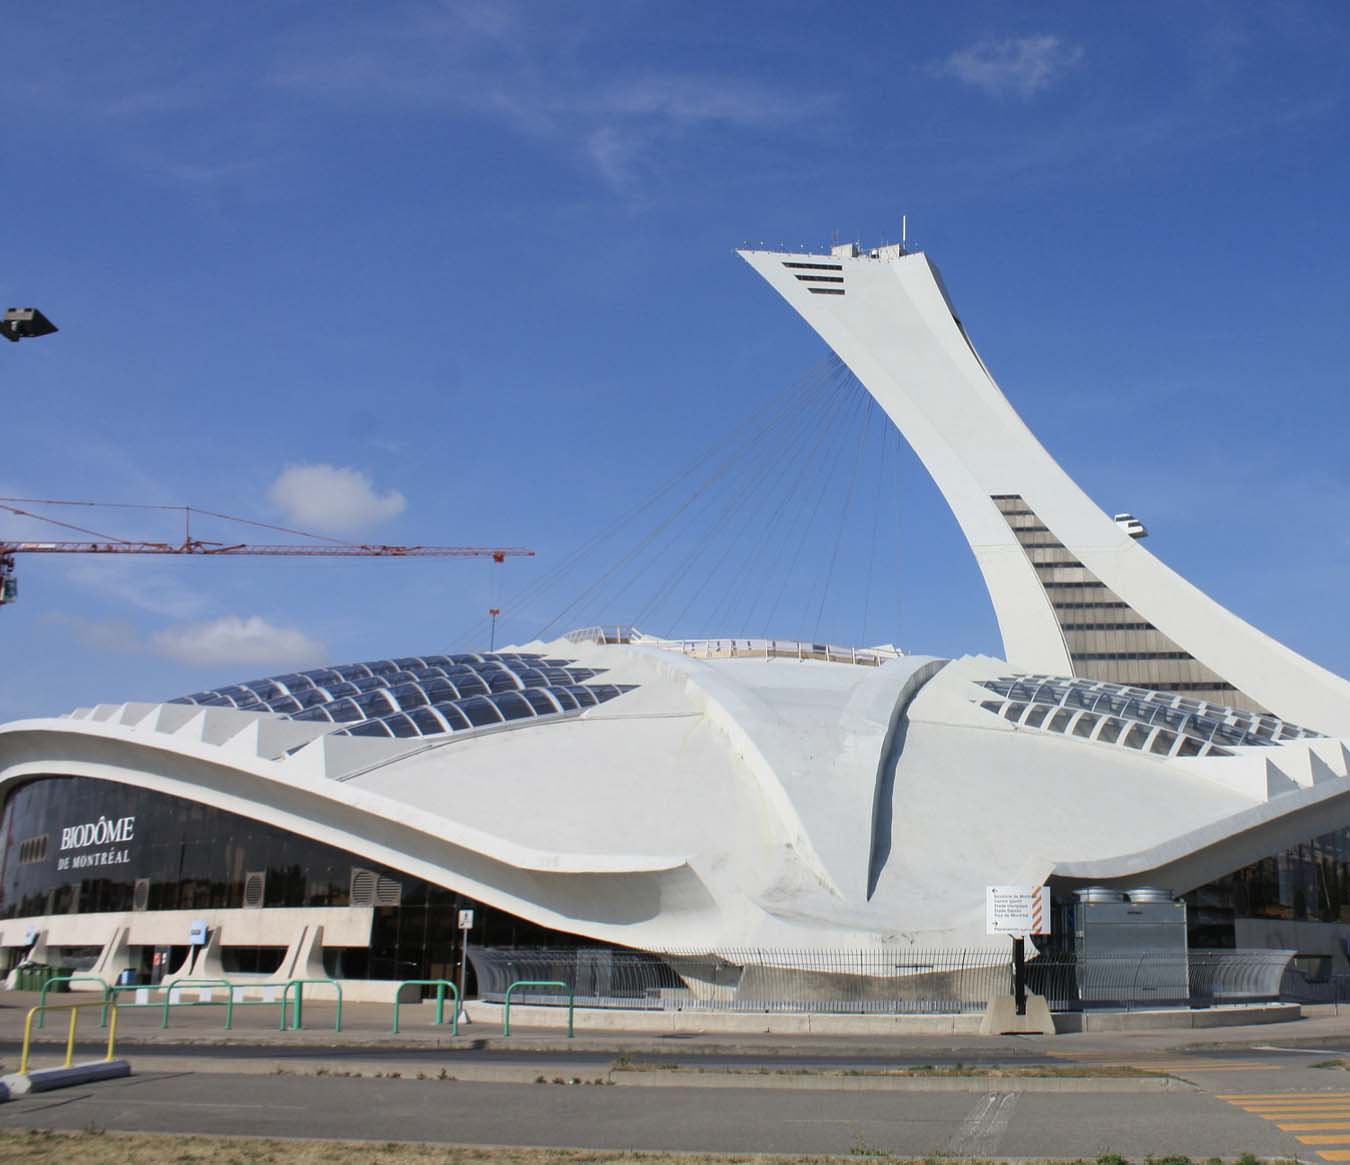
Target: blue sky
column 463, row 273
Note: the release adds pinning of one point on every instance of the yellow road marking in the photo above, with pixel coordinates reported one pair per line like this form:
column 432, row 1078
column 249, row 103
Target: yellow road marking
column 1324, row 1116
column 1339, row 1108
column 1246, row 1096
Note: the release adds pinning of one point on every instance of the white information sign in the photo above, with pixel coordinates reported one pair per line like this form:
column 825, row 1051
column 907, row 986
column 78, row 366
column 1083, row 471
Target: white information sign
column 1017, row 910
column 466, row 920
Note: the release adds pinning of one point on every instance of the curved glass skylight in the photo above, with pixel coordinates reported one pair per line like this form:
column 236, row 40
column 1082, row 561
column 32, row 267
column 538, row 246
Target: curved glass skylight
column 1160, row 723
column 428, row 695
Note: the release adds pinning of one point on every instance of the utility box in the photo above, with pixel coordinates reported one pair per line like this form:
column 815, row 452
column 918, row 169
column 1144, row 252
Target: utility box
column 1130, row 948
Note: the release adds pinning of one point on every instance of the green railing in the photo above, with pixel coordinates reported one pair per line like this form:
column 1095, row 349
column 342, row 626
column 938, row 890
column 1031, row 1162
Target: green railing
column 571, row 1000
column 47, row 986
column 171, row 1001
column 297, row 1005
column 441, row 986
column 231, row 1000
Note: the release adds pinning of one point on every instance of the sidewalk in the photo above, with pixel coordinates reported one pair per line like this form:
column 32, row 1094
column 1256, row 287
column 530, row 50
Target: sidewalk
column 369, row 1025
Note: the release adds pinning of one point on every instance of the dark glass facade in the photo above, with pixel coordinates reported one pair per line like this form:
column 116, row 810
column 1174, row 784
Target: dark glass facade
column 1309, row 882
column 74, row 845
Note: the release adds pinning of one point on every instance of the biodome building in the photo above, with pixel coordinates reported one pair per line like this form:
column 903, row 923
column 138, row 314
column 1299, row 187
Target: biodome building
column 613, row 789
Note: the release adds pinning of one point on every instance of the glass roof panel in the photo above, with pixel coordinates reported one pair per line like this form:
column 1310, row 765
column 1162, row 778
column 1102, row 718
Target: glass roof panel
column 420, row 695
column 480, row 711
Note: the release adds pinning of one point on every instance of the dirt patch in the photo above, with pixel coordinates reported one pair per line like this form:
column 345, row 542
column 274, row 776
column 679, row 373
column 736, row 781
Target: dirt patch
column 42, row 1147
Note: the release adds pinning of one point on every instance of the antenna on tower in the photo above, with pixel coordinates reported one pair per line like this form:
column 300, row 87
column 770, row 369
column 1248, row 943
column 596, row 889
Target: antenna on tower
column 904, row 231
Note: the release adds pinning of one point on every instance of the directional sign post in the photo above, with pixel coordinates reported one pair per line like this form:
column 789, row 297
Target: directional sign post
column 1017, row 911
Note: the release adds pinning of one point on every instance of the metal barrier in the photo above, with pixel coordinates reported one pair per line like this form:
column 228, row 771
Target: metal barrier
column 440, row 985
column 571, row 1000
column 232, row 1000
column 74, row 1009
column 180, row 984
column 879, row 980
column 47, row 986
column 297, row 1006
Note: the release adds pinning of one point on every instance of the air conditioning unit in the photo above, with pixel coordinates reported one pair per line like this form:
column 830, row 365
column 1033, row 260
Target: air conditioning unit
column 255, row 889
column 371, row 889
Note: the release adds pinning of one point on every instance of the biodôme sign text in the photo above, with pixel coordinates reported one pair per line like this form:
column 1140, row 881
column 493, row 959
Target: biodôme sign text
column 107, row 832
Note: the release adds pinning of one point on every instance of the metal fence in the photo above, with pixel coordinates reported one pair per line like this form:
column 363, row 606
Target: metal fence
column 882, row 980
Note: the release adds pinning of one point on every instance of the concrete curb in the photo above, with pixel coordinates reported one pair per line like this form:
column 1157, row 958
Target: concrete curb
column 45, row 1079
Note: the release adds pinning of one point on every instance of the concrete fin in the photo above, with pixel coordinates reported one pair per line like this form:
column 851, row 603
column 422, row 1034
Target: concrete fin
column 306, row 762
column 1333, row 753
column 1278, row 781
column 220, row 724
column 80, row 714
column 271, row 737
column 134, row 713
column 1321, row 771
column 1296, row 764
column 172, row 717
column 275, row 737
column 105, row 711
column 337, row 756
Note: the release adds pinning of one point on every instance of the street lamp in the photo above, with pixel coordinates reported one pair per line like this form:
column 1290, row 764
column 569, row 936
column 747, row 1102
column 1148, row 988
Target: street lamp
column 24, row 323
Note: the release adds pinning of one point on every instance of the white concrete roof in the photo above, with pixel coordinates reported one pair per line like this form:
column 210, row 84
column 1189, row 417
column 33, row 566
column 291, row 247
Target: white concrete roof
column 727, row 801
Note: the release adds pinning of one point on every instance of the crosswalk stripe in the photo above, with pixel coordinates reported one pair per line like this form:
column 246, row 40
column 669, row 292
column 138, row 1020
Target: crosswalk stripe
column 1322, row 1117
column 1279, row 1110
column 1246, row 1096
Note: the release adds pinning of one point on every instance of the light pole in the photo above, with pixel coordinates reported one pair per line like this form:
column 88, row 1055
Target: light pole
column 25, row 323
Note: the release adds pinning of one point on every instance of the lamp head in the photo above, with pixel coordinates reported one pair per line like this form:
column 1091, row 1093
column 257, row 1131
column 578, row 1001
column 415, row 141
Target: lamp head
column 23, row 323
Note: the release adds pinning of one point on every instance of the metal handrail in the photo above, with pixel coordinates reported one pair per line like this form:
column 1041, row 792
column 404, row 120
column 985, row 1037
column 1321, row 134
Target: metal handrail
column 298, row 1008
column 178, row 984
column 440, row 985
column 47, row 986
column 74, row 1009
column 231, row 1000
column 506, row 1009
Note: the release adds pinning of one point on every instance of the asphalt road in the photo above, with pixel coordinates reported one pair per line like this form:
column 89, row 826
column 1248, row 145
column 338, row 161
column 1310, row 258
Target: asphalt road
column 708, row 1119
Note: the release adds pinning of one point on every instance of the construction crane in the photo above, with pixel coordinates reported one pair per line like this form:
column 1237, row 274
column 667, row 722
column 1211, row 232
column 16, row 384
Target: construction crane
column 322, row 546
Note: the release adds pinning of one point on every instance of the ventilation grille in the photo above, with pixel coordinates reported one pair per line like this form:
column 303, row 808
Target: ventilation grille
column 255, row 889
column 140, row 895
column 371, row 889
column 34, row 849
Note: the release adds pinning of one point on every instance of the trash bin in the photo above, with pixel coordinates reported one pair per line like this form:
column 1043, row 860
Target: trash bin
column 60, row 973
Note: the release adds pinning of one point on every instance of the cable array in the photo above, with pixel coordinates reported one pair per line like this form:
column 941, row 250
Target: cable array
column 784, row 527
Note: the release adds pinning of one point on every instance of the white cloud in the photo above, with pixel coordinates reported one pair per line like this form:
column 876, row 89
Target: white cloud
column 155, row 587
column 234, row 639
column 502, row 62
column 115, row 636
column 1020, row 66
column 333, row 499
